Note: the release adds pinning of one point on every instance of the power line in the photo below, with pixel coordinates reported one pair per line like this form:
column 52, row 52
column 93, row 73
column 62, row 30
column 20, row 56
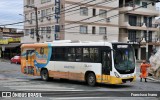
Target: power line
column 65, row 7
column 51, row 14
column 107, row 17
column 78, row 21
column 104, row 2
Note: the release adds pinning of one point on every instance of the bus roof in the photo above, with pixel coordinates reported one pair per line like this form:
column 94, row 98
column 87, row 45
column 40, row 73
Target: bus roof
column 69, row 43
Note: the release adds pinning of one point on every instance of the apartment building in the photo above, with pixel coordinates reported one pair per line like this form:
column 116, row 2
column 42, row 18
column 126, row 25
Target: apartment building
column 93, row 20
column 135, row 23
column 94, row 28
column 53, row 26
column 46, row 20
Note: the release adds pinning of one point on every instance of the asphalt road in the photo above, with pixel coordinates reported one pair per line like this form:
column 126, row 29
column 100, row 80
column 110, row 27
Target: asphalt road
column 11, row 79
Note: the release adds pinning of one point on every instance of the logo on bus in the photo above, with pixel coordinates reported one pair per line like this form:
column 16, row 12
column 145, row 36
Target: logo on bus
column 85, row 65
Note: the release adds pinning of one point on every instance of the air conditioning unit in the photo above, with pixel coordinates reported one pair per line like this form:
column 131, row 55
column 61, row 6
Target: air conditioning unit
column 41, row 19
column 48, row 35
column 32, row 35
column 30, row 21
column 108, row 20
column 41, row 36
column 48, row 18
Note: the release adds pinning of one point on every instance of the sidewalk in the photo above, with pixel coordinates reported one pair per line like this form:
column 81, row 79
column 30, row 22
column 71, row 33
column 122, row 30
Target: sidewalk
column 4, row 60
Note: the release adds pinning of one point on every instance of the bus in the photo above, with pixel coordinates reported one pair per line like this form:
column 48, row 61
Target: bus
column 91, row 62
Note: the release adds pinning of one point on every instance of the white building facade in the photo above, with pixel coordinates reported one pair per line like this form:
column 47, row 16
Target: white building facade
column 91, row 20
column 72, row 11
column 137, row 25
column 46, row 21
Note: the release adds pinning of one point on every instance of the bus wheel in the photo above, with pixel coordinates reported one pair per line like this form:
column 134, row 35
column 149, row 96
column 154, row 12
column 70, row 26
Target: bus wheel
column 44, row 75
column 91, row 79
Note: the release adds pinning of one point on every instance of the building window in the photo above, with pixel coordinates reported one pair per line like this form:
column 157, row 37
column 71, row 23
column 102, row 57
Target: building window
column 144, row 4
column 27, row 31
column 94, row 12
column 102, row 13
column 133, row 20
column 83, row 29
column 132, row 36
column 30, row 2
column 45, row 1
column 102, row 30
column 57, row 28
column 48, row 11
column 32, row 33
column 48, row 32
column 32, row 16
column 43, row 31
column 149, row 36
column 137, row 2
column 145, row 20
column 26, row 17
column 48, row 29
column 93, row 30
column 83, row 11
column 48, row 0
column 43, row 13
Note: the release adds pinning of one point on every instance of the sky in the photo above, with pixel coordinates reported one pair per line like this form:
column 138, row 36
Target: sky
column 10, row 10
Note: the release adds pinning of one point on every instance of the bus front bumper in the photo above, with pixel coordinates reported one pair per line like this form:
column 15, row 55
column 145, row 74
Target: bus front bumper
column 115, row 80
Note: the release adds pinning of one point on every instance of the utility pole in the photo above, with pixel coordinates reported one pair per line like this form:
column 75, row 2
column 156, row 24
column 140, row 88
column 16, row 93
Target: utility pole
column 105, row 35
column 159, row 30
column 36, row 14
column 147, row 39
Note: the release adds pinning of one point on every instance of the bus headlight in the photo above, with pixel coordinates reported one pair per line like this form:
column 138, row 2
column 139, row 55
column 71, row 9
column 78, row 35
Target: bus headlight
column 116, row 74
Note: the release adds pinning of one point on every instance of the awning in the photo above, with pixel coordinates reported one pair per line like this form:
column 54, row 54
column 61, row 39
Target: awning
column 11, row 45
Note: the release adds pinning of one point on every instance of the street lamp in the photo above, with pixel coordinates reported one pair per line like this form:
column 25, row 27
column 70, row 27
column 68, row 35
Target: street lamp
column 35, row 8
column 26, row 20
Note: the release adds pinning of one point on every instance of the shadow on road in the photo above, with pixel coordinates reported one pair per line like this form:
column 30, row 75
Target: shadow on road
column 115, row 86
column 71, row 82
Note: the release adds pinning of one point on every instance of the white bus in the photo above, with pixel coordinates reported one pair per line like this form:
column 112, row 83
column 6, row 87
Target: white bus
column 92, row 62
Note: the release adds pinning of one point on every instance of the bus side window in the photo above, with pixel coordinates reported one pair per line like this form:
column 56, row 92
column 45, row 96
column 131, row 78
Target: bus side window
column 86, row 55
column 71, row 54
column 78, row 54
column 58, row 54
column 109, row 60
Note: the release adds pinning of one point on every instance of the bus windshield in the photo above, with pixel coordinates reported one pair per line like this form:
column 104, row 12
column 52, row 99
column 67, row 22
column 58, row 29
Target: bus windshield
column 124, row 60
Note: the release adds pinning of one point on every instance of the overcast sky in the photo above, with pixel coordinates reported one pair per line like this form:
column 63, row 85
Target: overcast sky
column 10, row 10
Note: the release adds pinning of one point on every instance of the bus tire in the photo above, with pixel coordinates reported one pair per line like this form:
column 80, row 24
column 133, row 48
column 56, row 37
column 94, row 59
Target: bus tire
column 44, row 75
column 91, row 79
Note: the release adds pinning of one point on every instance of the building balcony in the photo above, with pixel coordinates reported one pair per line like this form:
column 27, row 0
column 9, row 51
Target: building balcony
column 138, row 26
column 139, row 40
column 140, row 11
column 154, row 41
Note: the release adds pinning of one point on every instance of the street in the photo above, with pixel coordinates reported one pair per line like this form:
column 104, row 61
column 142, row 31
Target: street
column 11, row 79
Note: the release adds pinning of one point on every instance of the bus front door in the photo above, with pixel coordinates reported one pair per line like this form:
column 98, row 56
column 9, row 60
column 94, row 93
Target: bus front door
column 30, row 56
column 106, row 65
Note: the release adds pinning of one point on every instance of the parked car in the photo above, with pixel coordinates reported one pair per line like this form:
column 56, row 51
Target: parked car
column 16, row 59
